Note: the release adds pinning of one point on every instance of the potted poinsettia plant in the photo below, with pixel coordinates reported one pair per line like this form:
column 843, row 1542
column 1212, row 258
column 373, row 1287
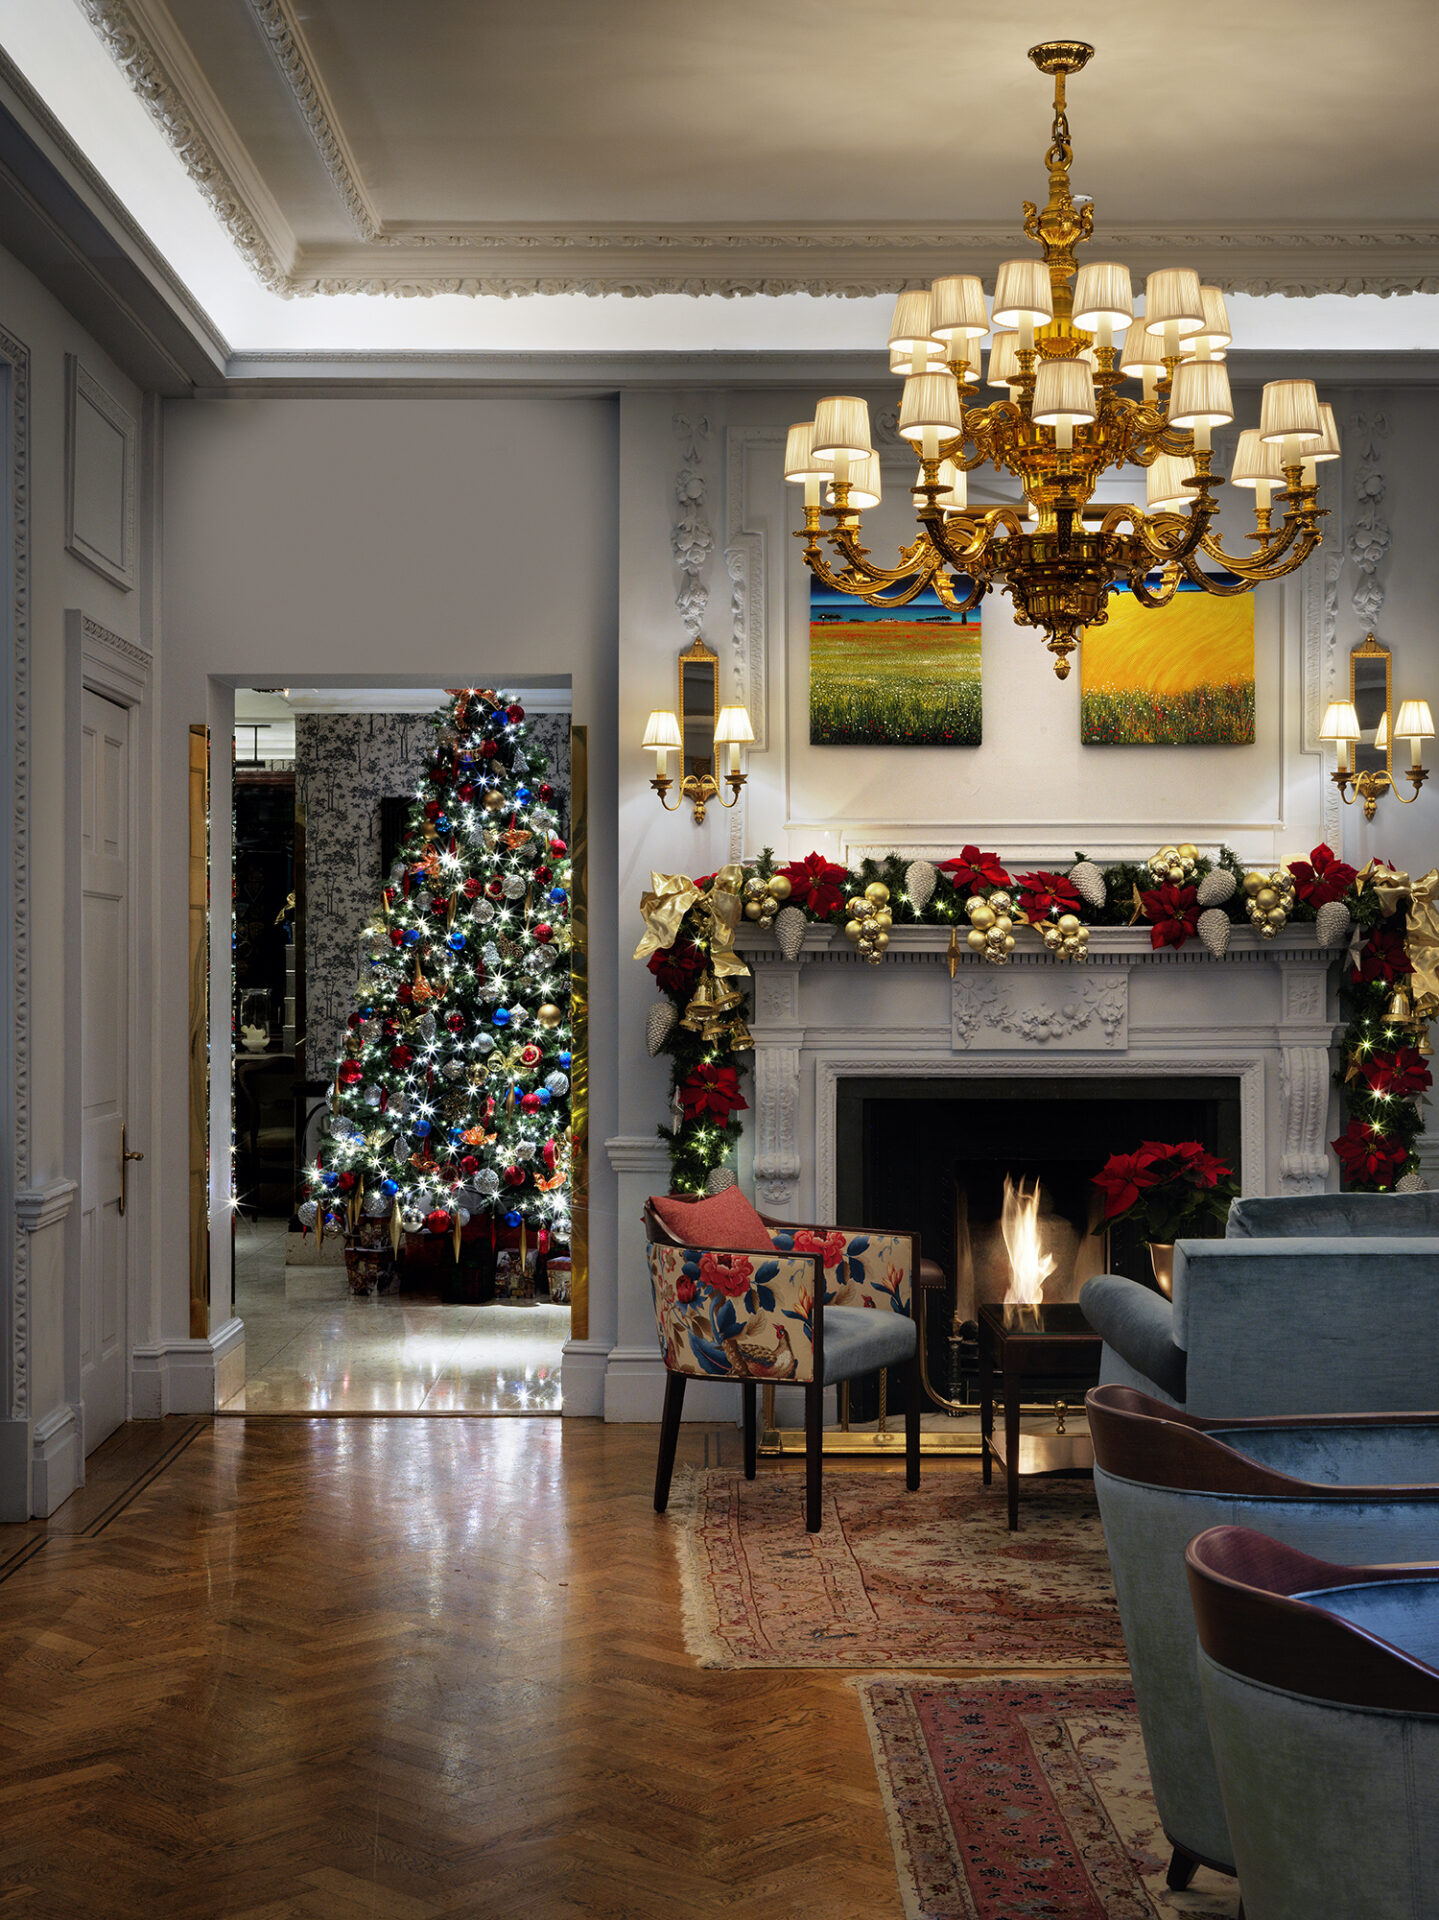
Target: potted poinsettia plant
column 1165, row 1187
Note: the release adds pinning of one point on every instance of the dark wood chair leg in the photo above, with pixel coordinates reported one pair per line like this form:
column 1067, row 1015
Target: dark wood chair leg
column 669, row 1438
column 751, row 1428
column 1182, row 1868
column 912, row 1390
column 813, row 1454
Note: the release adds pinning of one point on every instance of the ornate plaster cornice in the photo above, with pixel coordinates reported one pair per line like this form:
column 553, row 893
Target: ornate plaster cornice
column 849, row 260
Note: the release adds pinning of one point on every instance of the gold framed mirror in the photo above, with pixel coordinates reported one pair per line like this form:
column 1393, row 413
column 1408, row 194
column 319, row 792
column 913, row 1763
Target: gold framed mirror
column 699, row 713
column 1371, row 691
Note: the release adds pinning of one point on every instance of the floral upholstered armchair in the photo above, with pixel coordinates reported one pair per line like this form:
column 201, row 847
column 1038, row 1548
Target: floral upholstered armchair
column 741, row 1298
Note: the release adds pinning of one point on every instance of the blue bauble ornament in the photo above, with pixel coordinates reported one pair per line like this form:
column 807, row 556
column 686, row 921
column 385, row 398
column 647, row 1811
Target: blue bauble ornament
column 501, row 1016
column 457, row 1133
column 564, row 1060
column 542, row 1094
column 389, row 1188
column 512, row 1219
column 330, row 1179
column 557, row 896
column 412, row 936
column 455, row 941
column 421, row 1128
column 522, row 794
column 442, row 824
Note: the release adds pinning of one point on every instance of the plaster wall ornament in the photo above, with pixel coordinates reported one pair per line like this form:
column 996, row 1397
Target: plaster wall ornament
column 777, row 1161
column 1304, row 1091
column 1367, row 543
column 1049, row 1009
column 691, row 536
column 749, row 502
column 286, row 40
column 15, row 1175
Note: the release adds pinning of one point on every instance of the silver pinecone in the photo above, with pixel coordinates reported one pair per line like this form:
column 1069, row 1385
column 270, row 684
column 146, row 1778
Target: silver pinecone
column 1407, row 1182
column 920, row 877
column 1213, row 929
column 789, row 926
column 659, row 1023
column 1216, row 887
column 1332, row 923
column 718, row 1178
column 1088, row 883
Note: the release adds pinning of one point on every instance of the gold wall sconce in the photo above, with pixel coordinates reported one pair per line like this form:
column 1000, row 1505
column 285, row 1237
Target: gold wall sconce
column 698, row 731
column 1366, row 724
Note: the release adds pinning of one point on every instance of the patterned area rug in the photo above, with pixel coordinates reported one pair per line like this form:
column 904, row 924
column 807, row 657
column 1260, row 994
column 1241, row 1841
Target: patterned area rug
column 893, row 1579
column 1010, row 1798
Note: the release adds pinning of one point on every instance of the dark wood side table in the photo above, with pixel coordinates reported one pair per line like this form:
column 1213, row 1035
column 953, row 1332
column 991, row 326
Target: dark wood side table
column 1052, row 1343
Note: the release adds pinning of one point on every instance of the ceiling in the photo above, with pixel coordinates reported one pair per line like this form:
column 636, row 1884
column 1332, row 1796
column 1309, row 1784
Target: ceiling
column 487, row 147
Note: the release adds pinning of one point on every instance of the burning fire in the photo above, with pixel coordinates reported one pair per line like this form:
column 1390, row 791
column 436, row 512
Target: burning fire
column 1019, row 1224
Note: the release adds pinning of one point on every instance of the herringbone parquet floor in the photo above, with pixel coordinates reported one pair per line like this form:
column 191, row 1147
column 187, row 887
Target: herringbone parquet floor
column 401, row 1669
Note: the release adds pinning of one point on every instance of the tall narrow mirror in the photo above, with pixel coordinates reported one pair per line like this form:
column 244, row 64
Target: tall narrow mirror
column 699, row 708
column 1369, row 689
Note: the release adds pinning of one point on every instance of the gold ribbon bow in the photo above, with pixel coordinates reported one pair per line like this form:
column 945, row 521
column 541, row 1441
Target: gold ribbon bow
column 1390, row 883
column 1421, row 935
column 670, row 898
column 724, row 903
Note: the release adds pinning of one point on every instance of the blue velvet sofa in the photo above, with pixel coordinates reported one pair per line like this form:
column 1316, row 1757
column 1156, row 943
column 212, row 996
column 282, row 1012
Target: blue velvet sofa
column 1315, row 1303
column 1356, row 1487
column 1321, row 1692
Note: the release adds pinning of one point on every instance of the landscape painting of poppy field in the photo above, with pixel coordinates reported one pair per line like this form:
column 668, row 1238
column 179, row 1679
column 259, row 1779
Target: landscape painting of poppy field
column 1175, row 676
column 902, row 678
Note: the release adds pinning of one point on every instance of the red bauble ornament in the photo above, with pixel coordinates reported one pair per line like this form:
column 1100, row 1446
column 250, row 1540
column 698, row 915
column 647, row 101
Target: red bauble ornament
column 456, row 1023
column 558, row 847
column 405, row 994
column 397, row 939
column 543, row 875
column 547, row 792
column 495, row 889
column 514, row 1176
column 438, row 1221
column 542, row 1239
column 515, row 713
column 351, row 1073
column 440, row 905
column 355, row 1022
column 530, row 1056
column 401, row 1057
column 472, row 888
column 470, row 1164
column 432, row 809
column 544, row 933
column 346, row 1183
column 489, row 748
column 548, row 1150
column 529, row 1103
column 466, row 791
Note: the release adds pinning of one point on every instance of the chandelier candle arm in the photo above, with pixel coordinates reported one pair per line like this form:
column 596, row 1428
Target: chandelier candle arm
column 1063, row 424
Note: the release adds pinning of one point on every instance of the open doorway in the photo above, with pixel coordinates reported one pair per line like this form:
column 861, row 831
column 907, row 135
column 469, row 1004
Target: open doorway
column 384, row 1312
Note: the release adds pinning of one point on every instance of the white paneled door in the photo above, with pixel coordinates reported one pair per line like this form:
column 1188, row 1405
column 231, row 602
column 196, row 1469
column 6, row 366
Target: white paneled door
column 105, row 880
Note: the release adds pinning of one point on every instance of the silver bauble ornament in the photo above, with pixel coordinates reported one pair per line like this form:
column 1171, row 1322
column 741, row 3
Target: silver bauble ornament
column 376, row 1205
column 1213, row 929
column 514, row 885
column 425, row 1027
column 308, row 1212
column 412, row 1221
column 1216, row 887
column 557, row 1084
column 484, row 1045
column 486, row 1183
column 453, row 1069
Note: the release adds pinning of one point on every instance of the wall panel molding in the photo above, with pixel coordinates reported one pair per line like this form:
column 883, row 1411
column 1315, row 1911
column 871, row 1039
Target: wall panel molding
column 91, row 410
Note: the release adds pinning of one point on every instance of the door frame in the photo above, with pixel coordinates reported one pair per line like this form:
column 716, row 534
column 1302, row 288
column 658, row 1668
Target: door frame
column 101, row 662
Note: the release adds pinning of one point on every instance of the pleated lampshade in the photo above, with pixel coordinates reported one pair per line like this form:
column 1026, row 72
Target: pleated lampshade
column 930, row 400
column 1022, row 291
column 1201, row 395
column 1102, row 292
column 1004, row 360
column 1415, row 721
column 1290, row 411
column 1063, row 389
column 1256, row 462
column 864, row 483
column 1328, row 447
column 1165, row 491
column 841, row 425
column 957, row 306
column 910, row 327
column 1172, row 294
column 1140, row 349
column 1214, row 335
column 800, row 460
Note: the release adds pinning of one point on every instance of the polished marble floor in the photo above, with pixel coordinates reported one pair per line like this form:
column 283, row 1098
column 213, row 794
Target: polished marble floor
column 311, row 1348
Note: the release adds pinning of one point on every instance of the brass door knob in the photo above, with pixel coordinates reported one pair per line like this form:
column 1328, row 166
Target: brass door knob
column 127, row 1154
column 130, row 1154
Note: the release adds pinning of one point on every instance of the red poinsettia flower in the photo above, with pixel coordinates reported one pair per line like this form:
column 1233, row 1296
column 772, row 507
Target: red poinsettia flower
column 679, row 967
column 1041, row 894
column 1382, row 957
column 1322, row 877
column 816, row 883
column 973, row 871
column 1369, row 1158
column 1173, row 914
column 1123, row 1177
column 1400, row 1074
column 711, row 1093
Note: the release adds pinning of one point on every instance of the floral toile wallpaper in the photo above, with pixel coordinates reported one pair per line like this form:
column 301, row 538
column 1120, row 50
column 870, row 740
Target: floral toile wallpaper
column 345, row 765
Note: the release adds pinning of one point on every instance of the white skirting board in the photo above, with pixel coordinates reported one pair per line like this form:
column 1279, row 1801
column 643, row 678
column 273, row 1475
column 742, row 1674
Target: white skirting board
column 189, row 1376
column 635, row 1390
column 583, row 1378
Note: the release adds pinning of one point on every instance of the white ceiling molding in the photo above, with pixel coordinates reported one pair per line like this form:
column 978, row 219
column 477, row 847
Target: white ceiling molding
column 503, row 259
column 411, row 699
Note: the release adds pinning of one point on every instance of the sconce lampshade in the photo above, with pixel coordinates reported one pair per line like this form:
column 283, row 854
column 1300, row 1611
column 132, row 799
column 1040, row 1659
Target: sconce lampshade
column 733, row 727
column 1004, row 360
column 1102, row 292
column 1165, row 491
column 930, row 400
column 1328, row 447
column 1022, row 291
column 1381, row 736
column 1256, row 462
column 841, row 425
column 1415, row 721
column 800, row 461
column 1340, row 722
column 1201, row 395
column 864, row 483
column 663, row 731
column 1063, row 390
column 957, row 307
column 1173, row 294
column 1290, row 411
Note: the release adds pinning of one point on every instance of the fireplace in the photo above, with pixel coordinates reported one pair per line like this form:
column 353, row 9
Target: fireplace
column 933, row 1155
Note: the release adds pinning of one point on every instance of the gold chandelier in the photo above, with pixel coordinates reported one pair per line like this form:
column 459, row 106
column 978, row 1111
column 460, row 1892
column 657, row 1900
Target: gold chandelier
column 1063, row 423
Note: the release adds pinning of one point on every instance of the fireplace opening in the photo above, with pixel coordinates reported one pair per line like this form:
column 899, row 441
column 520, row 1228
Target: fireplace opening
column 934, row 1157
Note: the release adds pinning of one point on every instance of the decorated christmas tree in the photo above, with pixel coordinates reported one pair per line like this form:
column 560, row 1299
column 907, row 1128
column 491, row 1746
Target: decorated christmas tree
column 450, row 1103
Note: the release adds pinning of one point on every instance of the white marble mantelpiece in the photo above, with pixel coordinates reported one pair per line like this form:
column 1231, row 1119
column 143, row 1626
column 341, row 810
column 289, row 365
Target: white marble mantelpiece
column 1265, row 1016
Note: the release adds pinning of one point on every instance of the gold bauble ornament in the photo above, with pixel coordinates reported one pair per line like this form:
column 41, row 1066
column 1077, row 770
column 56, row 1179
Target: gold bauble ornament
column 1188, row 851
column 494, row 800
column 1277, row 916
column 778, row 886
column 1068, row 923
column 1265, row 899
column 548, row 1014
column 976, row 939
column 852, row 929
column 982, row 916
column 1009, row 943
column 752, row 909
column 881, row 940
column 876, row 893
column 870, row 925
column 885, row 917
column 1254, row 881
column 1001, row 902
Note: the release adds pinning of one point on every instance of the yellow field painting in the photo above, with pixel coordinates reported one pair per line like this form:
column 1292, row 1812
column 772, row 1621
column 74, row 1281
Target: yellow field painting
column 1181, row 675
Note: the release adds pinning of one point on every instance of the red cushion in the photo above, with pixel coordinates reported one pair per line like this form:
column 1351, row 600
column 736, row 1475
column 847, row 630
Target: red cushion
column 723, row 1219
